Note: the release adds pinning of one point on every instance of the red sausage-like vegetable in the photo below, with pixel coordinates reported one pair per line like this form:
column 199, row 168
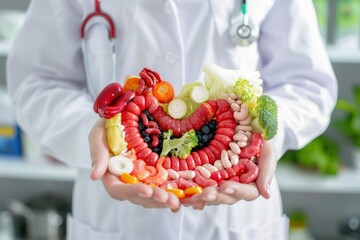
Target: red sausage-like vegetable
column 211, row 156
column 225, row 116
column 203, row 182
column 196, row 158
column 190, row 162
column 167, row 163
column 129, row 116
column 183, row 165
column 203, row 157
column 152, row 159
column 175, row 164
column 139, row 100
column 252, row 171
column 176, row 129
column 133, row 108
column 230, row 132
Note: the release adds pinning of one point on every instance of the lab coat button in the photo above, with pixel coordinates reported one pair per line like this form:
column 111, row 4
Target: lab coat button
column 167, row 8
column 170, row 57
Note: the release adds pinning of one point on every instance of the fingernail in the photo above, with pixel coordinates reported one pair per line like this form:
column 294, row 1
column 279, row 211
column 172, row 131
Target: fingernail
column 143, row 195
column 268, row 188
column 93, row 167
column 229, row 191
column 210, row 197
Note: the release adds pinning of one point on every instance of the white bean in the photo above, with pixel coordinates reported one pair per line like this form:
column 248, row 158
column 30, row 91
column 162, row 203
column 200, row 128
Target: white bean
column 229, row 99
column 225, row 159
column 233, row 96
column 230, row 153
column 187, row 174
column 240, row 137
column 173, row 174
column 234, row 159
column 243, row 128
column 203, row 171
column 239, row 102
column 242, row 144
column 248, row 134
column 234, row 147
column 218, row 164
column 246, row 121
column 210, row 168
column 235, row 107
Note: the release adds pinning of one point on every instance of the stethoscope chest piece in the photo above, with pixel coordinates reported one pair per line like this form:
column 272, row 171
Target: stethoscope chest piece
column 243, row 34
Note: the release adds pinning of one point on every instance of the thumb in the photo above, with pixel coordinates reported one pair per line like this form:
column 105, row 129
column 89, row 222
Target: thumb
column 99, row 150
column 267, row 165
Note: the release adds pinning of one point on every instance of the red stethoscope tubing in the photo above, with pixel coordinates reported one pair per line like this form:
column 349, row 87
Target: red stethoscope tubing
column 98, row 13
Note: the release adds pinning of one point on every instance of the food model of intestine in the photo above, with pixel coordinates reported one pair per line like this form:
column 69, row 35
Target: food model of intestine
column 211, row 132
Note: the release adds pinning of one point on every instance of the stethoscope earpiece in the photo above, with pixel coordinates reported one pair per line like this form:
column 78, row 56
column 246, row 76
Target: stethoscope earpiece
column 243, row 33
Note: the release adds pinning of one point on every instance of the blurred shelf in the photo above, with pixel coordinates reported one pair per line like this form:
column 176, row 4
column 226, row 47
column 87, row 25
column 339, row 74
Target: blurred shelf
column 18, row 168
column 294, row 179
column 4, row 49
column 343, row 55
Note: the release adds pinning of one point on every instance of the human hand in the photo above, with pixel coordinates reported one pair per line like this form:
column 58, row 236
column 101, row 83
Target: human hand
column 231, row 192
column 140, row 194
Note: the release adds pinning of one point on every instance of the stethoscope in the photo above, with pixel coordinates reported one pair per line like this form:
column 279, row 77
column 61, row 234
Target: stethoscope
column 242, row 33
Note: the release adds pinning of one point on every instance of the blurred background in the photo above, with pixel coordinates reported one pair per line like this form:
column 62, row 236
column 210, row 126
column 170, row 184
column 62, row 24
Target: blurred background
column 320, row 184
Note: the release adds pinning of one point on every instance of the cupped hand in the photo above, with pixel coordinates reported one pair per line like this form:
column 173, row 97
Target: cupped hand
column 140, row 194
column 231, row 192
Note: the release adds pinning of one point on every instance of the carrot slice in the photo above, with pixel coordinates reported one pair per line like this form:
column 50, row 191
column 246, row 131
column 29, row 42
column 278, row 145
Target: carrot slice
column 163, row 91
column 132, row 83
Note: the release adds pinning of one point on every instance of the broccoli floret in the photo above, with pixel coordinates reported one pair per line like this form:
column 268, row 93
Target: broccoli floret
column 180, row 147
column 265, row 117
column 246, row 91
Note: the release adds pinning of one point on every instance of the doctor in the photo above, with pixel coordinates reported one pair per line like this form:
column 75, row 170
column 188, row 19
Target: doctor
column 53, row 96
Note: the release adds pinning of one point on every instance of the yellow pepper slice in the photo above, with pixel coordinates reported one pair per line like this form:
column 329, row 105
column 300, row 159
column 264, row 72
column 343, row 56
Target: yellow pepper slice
column 193, row 190
column 178, row 192
column 128, row 178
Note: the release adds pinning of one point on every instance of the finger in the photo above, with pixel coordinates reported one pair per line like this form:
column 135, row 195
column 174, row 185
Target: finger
column 98, row 150
column 267, row 165
column 199, row 206
column 160, row 195
column 173, row 202
column 240, row 191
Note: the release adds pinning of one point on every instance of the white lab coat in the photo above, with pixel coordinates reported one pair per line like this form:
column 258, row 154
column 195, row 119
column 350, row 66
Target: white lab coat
column 53, row 104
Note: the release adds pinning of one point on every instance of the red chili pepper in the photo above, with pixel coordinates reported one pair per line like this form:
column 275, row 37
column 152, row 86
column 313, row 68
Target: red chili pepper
column 141, row 87
column 252, row 171
column 153, row 131
column 152, row 124
column 155, row 140
column 144, row 119
column 107, row 95
column 117, row 105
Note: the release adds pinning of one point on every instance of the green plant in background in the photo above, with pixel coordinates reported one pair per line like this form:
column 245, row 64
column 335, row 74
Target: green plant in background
column 349, row 124
column 321, row 7
column 348, row 13
column 321, row 154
